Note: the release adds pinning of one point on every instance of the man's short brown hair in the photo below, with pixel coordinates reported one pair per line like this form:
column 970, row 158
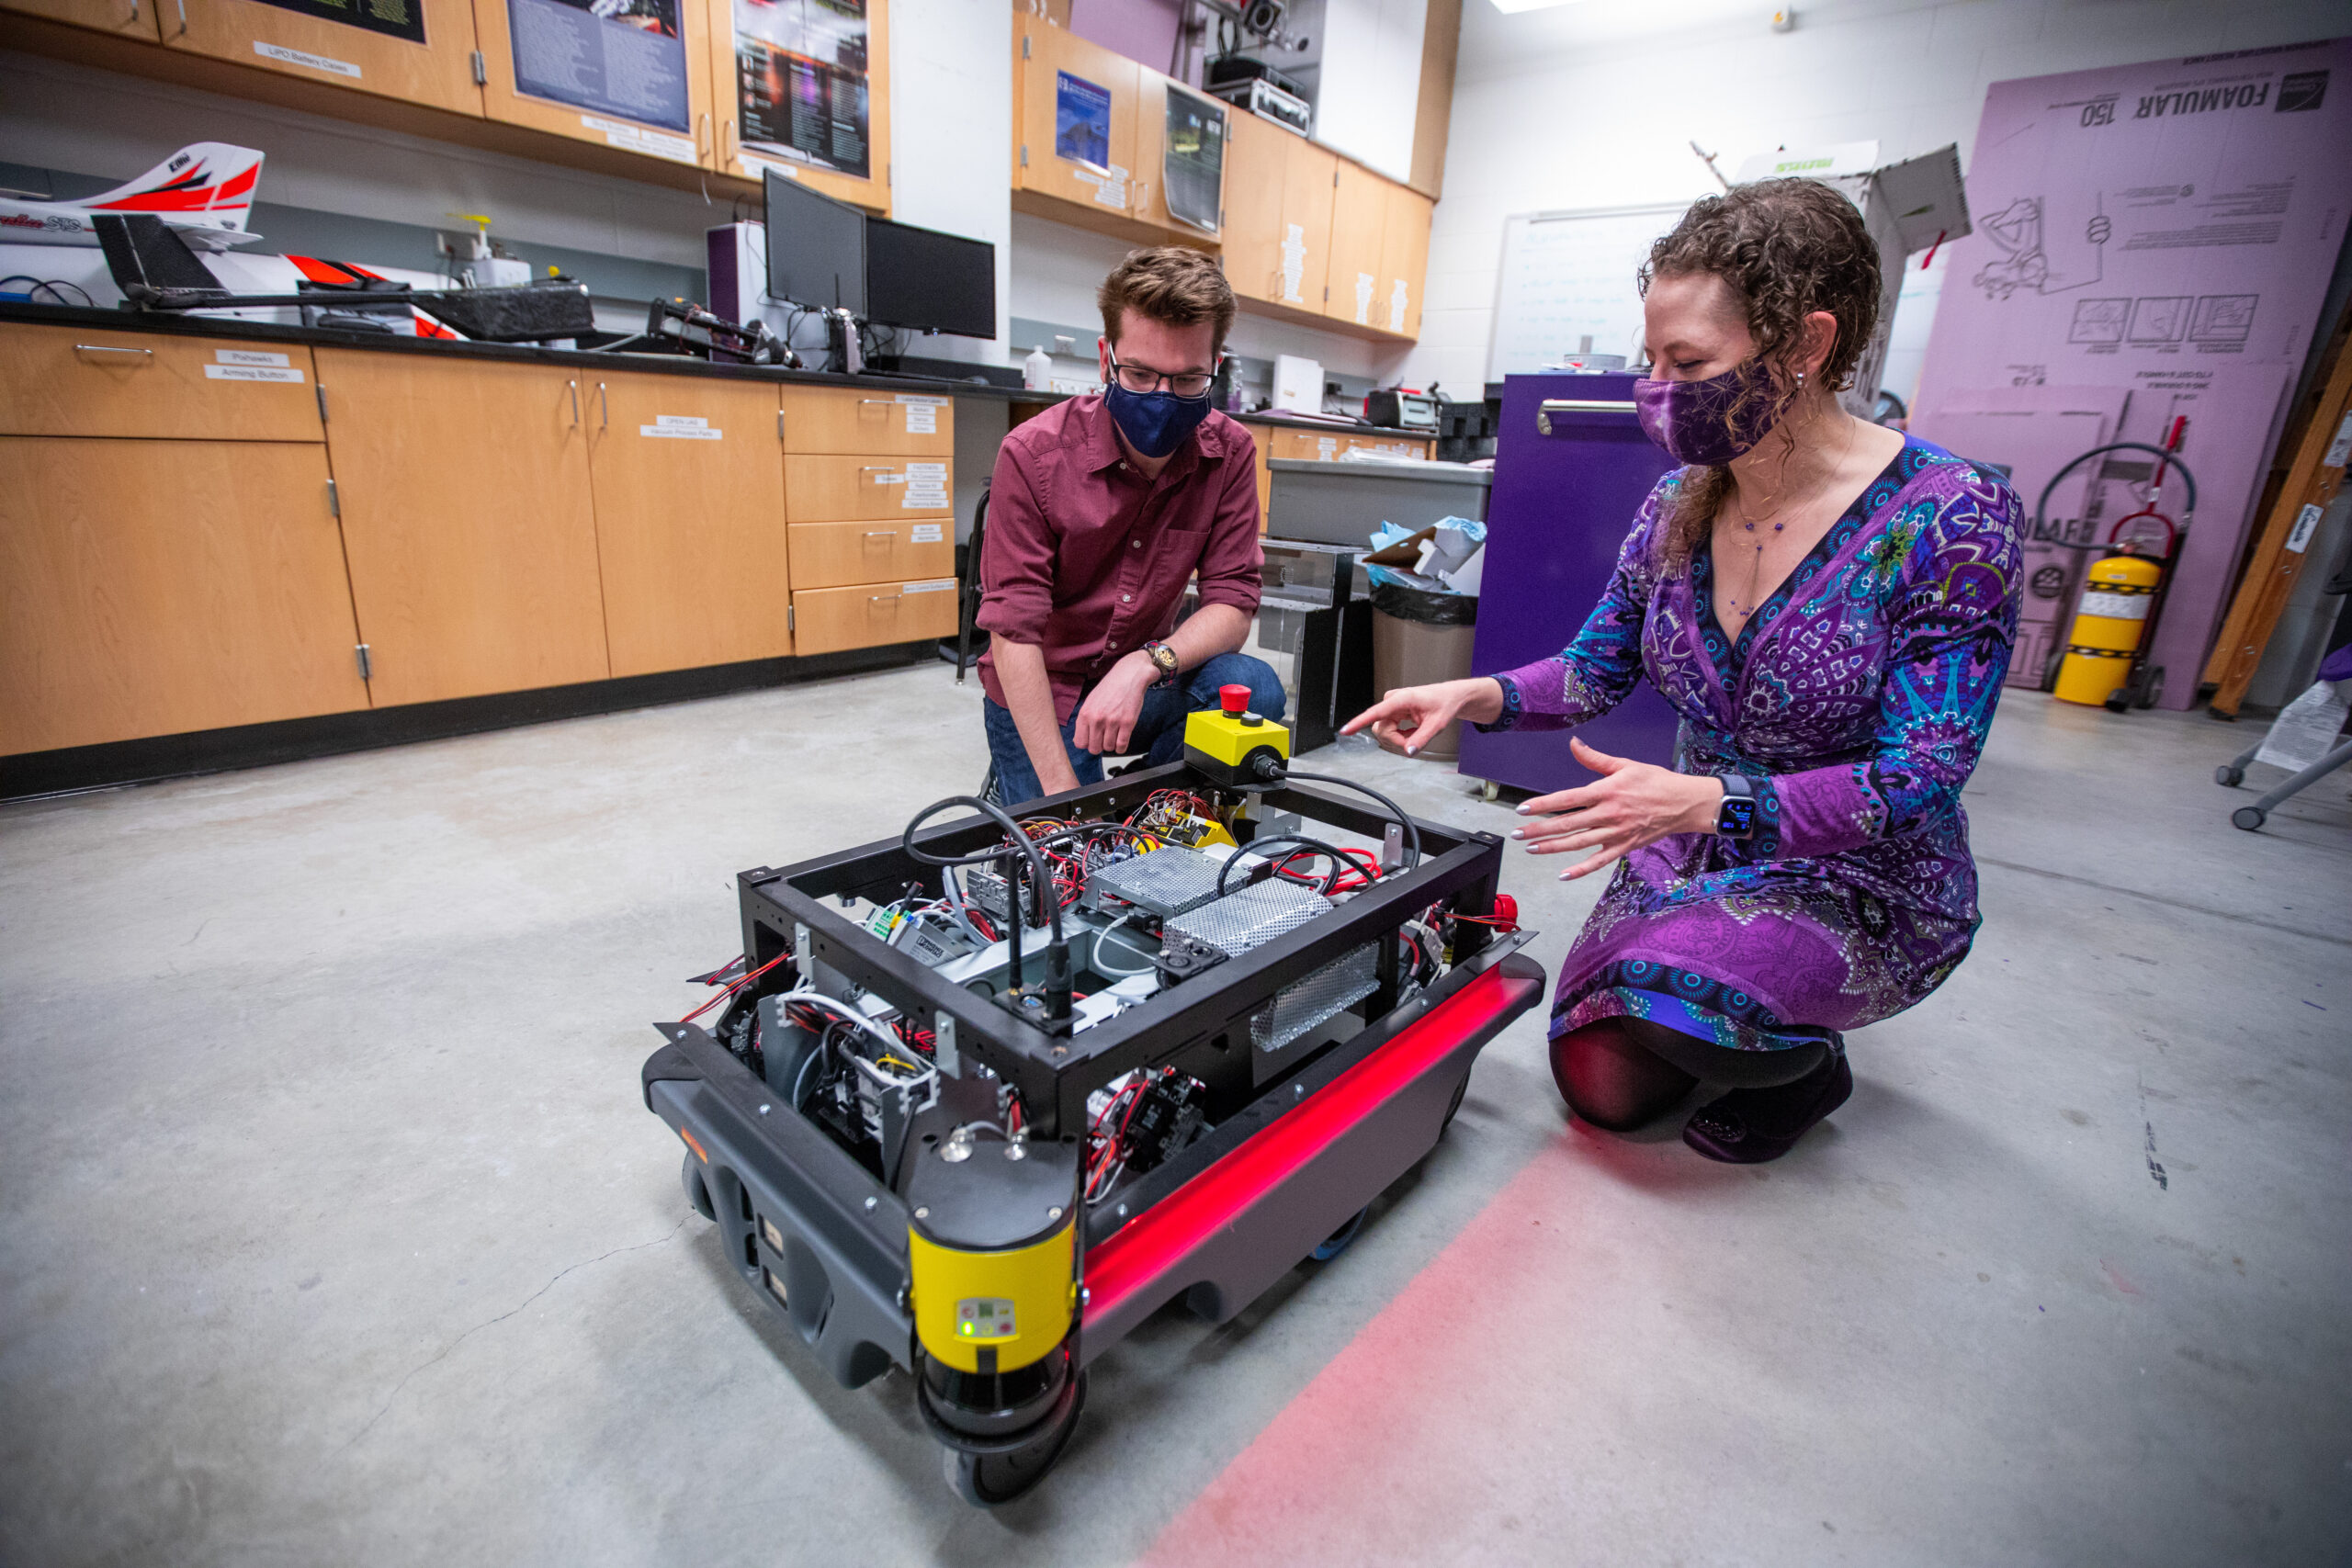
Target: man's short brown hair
column 1171, row 285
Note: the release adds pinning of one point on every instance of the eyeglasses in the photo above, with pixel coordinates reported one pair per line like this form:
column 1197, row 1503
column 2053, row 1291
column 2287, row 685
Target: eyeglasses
column 1187, row 384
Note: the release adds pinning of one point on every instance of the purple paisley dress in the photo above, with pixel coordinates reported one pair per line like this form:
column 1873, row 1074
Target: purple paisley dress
column 1857, row 698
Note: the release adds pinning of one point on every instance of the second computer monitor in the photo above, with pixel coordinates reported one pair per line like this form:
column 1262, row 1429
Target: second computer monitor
column 816, row 249
column 927, row 281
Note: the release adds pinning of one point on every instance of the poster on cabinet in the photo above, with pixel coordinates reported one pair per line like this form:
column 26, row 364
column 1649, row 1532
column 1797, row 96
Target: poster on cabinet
column 801, row 82
column 624, row 58
column 393, row 18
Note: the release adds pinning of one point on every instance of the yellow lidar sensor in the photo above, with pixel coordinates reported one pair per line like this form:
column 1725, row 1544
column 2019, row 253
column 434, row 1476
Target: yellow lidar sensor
column 1231, row 746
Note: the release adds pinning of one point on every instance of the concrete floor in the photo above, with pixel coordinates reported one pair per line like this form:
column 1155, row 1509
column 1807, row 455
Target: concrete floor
column 335, row 1231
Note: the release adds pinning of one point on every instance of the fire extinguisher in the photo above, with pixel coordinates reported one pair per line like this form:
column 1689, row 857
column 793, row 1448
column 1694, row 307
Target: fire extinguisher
column 2105, row 662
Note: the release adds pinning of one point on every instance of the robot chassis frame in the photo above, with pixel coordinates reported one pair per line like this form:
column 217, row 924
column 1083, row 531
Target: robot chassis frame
column 1284, row 1164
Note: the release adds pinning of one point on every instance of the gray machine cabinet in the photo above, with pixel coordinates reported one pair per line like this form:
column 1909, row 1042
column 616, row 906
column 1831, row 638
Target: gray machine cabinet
column 1344, row 503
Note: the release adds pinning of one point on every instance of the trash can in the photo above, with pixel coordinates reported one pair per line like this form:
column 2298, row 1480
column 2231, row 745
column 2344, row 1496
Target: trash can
column 1419, row 637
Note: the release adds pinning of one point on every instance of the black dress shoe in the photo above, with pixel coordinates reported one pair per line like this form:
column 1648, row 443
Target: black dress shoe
column 1750, row 1126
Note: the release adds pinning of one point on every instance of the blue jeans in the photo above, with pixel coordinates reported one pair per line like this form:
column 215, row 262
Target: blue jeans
column 1160, row 727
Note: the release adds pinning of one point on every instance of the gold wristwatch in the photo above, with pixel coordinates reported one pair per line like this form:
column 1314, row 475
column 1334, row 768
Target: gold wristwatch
column 1163, row 658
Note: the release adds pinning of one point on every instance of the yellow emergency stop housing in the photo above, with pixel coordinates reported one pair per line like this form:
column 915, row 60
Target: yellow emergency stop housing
column 993, row 1311
column 1231, row 749
column 2117, row 594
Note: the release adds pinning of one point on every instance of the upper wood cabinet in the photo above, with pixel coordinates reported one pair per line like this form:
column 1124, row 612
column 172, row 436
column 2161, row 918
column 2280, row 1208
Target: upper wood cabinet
column 92, row 381
column 1074, row 132
column 163, row 587
column 1180, row 136
column 1358, row 228
column 1404, row 263
column 1278, row 214
column 690, row 528
column 638, row 79
column 803, row 88
column 131, row 18
column 468, row 520
column 421, row 50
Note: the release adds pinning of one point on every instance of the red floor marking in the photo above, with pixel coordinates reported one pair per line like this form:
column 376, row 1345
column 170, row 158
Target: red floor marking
column 1434, row 1412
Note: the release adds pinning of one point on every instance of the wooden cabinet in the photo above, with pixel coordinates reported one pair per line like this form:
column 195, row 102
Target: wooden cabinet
column 1404, row 263
column 93, row 381
column 469, row 521
column 1278, row 215
column 420, row 51
column 641, row 91
column 154, row 587
column 688, row 477
column 130, row 18
column 1203, row 118
column 829, row 620
column 843, row 490
column 836, row 420
column 1359, row 226
column 835, row 554
column 1075, row 129
column 754, row 82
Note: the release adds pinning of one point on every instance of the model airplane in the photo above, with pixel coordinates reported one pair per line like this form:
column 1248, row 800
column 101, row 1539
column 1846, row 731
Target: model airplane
column 205, row 191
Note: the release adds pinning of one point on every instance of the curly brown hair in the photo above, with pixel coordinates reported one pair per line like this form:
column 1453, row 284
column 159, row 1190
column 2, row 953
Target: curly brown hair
column 1168, row 284
column 1786, row 248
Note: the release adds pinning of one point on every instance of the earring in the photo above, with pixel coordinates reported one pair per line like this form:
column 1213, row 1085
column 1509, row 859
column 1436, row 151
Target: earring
column 1800, row 380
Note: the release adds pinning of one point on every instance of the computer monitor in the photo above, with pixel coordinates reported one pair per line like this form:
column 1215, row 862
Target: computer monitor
column 816, row 248
column 927, row 281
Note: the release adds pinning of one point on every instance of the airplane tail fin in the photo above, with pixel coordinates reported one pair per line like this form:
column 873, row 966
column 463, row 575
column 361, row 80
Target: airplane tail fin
column 204, row 185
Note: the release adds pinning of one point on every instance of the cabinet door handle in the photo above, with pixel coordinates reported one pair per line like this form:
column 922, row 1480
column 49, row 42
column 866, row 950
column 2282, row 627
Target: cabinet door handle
column 886, row 402
column 702, row 123
column 728, row 138
column 575, row 403
column 1549, row 406
column 878, row 470
column 109, row 348
column 882, row 598
column 604, row 408
column 881, row 534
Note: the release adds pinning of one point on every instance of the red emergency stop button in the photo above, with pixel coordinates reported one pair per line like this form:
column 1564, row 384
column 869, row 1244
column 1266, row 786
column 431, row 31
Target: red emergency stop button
column 1233, row 699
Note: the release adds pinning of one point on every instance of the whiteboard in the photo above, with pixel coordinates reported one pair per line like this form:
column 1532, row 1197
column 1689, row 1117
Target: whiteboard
column 1566, row 275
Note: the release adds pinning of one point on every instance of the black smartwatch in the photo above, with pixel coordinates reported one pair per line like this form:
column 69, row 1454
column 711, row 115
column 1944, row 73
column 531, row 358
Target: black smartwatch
column 1735, row 817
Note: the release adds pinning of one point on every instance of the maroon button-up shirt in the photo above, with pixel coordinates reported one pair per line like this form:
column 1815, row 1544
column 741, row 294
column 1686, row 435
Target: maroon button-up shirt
column 1088, row 559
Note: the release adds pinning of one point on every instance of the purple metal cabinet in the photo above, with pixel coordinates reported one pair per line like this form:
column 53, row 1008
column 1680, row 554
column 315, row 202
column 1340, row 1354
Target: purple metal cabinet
column 1560, row 506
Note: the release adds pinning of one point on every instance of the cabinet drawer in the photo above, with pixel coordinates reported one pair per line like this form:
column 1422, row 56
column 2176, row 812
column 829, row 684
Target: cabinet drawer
column 844, row 421
column 93, row 381
column 844, row 490
column 834, row 555
column 827, row 620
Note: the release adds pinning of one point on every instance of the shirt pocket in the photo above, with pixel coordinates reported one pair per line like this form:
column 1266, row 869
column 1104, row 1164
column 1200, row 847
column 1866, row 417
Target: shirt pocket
column 1176, row 554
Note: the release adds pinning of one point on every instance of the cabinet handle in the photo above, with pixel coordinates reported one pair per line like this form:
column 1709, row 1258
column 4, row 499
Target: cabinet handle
column 702, row 123
column 882, row 598
column 886, row 402
column 728, row 138
column 604, row 408
column 575, row 403
column 880, row 534
column 1549, row 406
column 183, row 10
column 134, row 10
column 878, row 470
column 107, row 348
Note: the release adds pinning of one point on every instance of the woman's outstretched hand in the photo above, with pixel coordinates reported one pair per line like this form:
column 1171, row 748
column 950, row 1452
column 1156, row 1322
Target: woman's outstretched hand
column 1632, row 805
column 1412, row 716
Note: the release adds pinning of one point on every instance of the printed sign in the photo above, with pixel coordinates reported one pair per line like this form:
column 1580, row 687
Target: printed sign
column 636, row 139
column 680, row 427
column 935, row 585
column 393, row 18
column 927, row 532
column 304, row 58
column 249, row 356
column 1193, row 169
column 2306, row 521
column 800, row 81
column 1083, row 123
column 252, row 373
column 922, row 413
column 926, row 485
column 611, row 57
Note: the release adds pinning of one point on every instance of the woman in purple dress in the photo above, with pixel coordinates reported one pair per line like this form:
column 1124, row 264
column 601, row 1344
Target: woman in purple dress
column 1829, row 608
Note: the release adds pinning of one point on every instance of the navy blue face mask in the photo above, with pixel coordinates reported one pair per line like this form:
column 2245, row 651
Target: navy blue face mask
column 1155, row 424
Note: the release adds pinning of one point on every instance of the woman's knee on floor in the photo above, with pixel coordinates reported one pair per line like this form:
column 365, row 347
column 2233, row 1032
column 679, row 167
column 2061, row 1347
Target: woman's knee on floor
column 1609, row 1080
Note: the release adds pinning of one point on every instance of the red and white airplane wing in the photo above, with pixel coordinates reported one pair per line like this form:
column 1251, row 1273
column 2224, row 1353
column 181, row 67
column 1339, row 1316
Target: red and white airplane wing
column 205, row 190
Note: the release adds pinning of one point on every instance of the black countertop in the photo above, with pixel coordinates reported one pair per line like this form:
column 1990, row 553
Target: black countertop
column 175, row 324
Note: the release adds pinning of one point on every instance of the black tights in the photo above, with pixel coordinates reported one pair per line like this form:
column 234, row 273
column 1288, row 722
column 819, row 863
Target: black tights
column 1620, row 1073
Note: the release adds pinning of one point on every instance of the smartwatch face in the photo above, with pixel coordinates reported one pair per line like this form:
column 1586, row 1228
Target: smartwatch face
column 1737, row 817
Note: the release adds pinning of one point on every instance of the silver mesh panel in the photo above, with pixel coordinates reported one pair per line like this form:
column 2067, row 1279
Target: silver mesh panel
column 1251, row 917
column 1297, row 1008
column 1165, row 881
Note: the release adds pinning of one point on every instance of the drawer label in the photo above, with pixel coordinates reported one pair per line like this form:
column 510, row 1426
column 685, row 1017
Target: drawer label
column 926, row 485
column 249, row 356
column 252, row 373
column 937, row 585
column 638, row 138
column 680, row 427
column 927, row 533
column 888, row 476
column 304, row 58
column 922, row 413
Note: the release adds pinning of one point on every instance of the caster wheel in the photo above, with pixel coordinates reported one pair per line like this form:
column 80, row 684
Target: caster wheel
column 1337, row 1242
column 2228, row 776
column 698, row 1189
column 1490, row 791
column 2119, row 701
column 2250, row 818
column 2153, row 690
column 987, row 1480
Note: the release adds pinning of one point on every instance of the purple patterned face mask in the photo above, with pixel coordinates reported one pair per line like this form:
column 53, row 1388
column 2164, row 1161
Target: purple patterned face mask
column 1709, row 422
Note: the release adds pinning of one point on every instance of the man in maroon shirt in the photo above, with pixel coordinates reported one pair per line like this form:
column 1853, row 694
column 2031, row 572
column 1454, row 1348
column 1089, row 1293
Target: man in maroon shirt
column 1102, row 509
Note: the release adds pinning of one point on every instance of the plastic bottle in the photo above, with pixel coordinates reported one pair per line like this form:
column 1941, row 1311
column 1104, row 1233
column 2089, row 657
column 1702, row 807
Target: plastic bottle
column 1037, row 371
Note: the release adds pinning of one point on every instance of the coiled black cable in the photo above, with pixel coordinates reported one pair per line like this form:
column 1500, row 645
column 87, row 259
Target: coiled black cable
column 1339, row 858
column 1412, row 834
column 1057, row 971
